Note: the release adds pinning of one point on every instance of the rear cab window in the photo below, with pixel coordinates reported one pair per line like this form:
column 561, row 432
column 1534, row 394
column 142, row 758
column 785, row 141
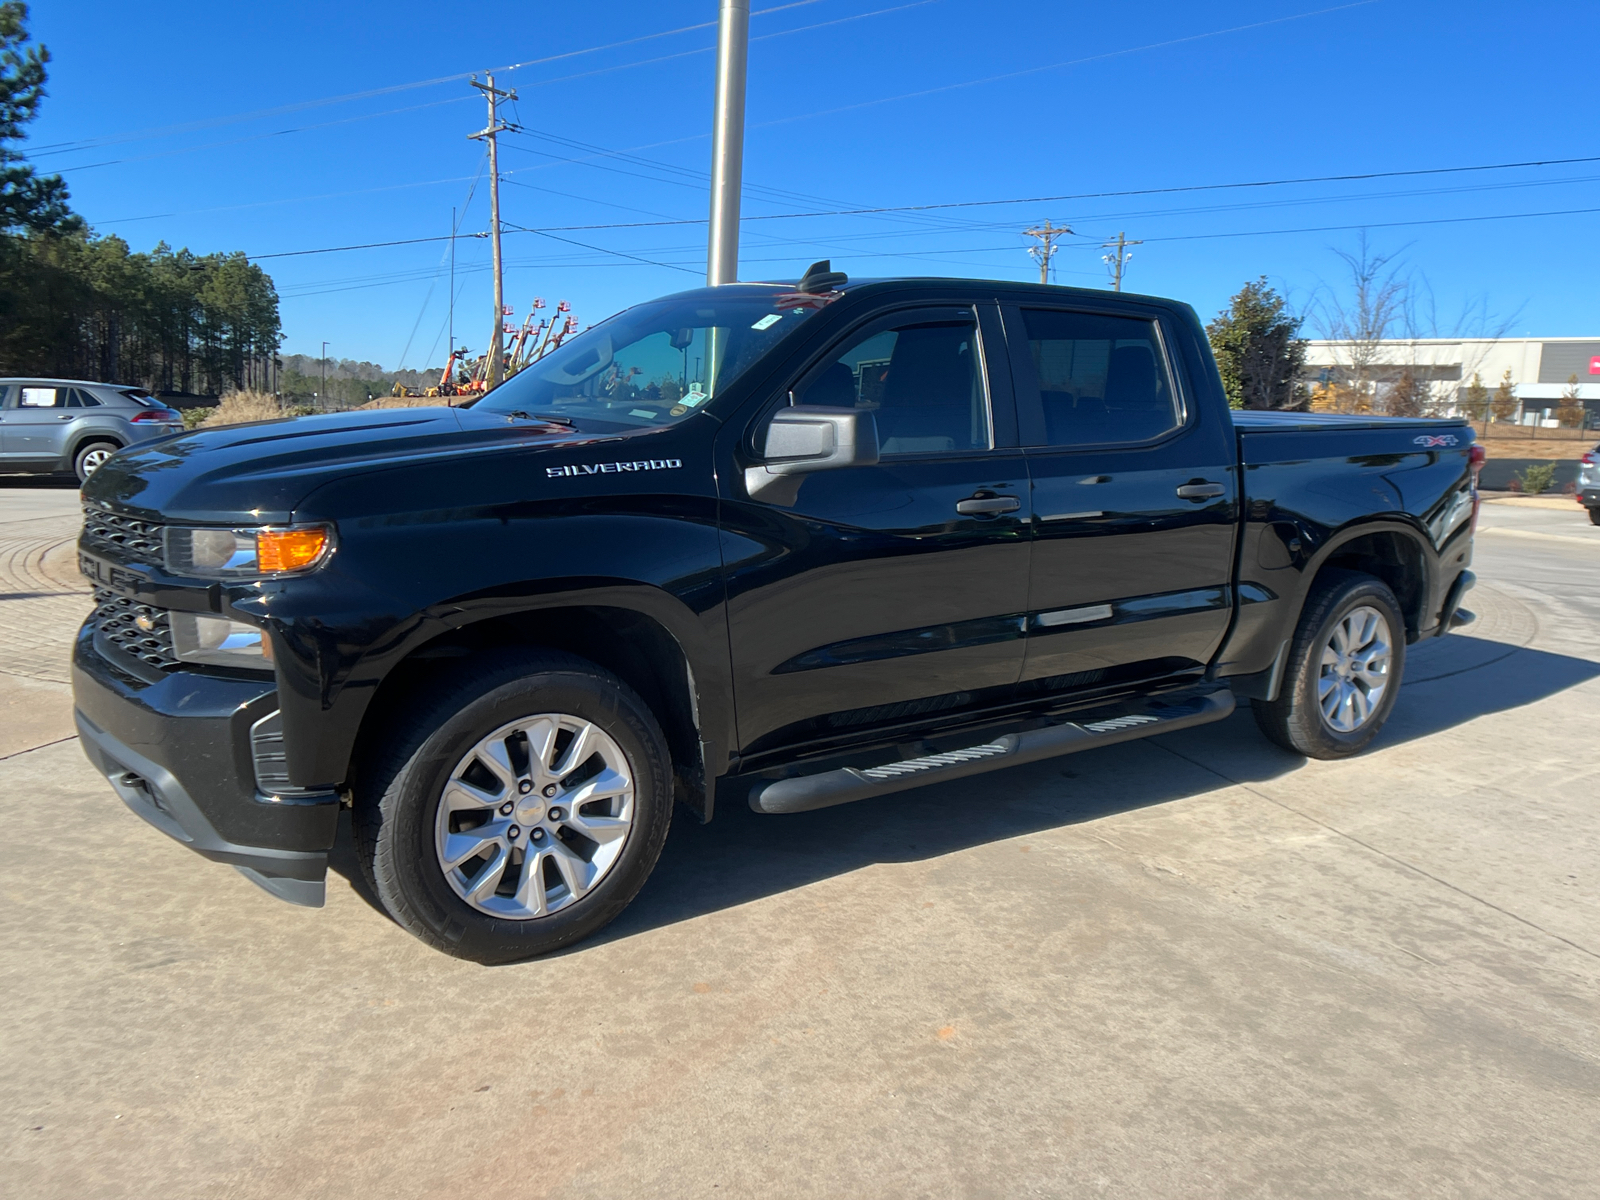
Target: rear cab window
column 1102, row 378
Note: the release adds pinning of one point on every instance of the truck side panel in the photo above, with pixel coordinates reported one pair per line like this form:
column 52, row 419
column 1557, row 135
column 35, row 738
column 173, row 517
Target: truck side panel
column 1310, row 493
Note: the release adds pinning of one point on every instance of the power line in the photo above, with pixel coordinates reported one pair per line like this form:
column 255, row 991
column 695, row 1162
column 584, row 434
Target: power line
column 300, row 106
column 600, row 249
column 1071, row 62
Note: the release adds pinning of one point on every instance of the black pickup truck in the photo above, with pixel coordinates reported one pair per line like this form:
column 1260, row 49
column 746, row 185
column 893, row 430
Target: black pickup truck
column 788, row 544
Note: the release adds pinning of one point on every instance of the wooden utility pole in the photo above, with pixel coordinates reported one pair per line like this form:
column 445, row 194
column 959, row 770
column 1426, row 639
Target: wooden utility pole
column 1119, row 260
column 1046, row 249
column 495, row 367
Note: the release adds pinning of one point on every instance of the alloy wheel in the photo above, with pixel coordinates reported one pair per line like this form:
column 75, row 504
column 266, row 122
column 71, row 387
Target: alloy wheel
column 1354, row 674
column 534, row 816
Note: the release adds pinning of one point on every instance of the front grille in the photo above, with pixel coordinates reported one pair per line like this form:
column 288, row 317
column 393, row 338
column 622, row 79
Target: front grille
column 134, row 540
column 122, row 622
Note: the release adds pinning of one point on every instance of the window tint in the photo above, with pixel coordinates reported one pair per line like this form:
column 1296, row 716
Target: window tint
column 1101, row 378
column 44, row 397
column 83, row 399
column 923, row 383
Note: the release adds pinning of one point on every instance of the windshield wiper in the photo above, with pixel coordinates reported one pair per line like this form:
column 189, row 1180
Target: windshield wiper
column 552, row 418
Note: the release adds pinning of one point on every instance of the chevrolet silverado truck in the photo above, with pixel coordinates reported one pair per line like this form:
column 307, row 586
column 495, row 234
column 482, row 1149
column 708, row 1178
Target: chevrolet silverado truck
column 790, row 544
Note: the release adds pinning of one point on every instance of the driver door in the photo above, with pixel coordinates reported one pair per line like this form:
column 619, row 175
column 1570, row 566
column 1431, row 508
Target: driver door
column 880, row 594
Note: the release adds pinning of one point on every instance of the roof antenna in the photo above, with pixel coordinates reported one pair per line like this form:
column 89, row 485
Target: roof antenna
column 821, row 277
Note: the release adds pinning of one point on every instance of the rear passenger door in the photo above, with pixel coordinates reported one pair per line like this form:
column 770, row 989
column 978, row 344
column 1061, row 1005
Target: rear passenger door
column 1134, row 497
column 37, row 422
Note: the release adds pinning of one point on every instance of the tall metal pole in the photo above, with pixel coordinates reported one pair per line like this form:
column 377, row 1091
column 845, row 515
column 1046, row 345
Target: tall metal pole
column 495, row 366
column 452, row 353
column 727, row 148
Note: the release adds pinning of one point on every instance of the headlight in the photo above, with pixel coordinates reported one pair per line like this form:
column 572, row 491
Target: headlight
column 247, row 553
column 219, row 640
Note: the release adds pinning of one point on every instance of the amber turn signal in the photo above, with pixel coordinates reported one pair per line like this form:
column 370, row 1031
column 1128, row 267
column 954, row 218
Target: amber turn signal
column 289, row 549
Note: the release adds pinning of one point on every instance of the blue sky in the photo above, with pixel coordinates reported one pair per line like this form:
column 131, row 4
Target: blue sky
column 156, row 117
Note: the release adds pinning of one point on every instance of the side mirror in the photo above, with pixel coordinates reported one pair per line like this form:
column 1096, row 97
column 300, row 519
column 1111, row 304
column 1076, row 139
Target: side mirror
column 806, row 438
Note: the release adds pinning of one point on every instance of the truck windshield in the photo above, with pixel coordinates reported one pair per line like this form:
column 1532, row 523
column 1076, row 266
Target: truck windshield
column 656, row 363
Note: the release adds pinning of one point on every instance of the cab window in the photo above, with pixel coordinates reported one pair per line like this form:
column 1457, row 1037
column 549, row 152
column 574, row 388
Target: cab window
column 922, row 381
column 1102, row 379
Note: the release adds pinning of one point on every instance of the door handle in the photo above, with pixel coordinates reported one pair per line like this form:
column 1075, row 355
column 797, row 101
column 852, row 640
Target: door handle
column 983, row 506
column 1200, row 491
column 63, row 416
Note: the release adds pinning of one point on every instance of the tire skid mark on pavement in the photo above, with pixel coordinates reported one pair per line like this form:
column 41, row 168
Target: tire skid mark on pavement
column 1505, row 625
column 42, row 601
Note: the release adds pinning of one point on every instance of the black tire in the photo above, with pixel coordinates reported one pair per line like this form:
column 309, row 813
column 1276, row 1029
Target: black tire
column 400, row 788
column 1295, row 719
column 1594, row 516
column 89, row 456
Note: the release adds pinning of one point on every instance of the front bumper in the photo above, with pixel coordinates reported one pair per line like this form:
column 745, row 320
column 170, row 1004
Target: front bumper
column 178, row 752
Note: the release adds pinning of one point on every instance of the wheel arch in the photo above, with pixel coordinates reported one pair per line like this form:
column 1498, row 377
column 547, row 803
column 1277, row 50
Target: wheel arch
column 633, row 644
column 1391, row 551
column 80, row 440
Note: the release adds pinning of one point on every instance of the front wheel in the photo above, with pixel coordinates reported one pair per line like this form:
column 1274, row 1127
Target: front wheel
column 520, row 811
column 1344, row 669
column 90, row 458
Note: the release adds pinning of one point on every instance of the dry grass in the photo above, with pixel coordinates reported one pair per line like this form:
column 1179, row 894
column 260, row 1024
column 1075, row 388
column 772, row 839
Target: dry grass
column 239, row 407
column 1547, row 449
column 407, row 402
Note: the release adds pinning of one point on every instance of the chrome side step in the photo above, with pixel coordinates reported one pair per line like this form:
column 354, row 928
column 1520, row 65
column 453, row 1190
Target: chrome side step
column 805, row 792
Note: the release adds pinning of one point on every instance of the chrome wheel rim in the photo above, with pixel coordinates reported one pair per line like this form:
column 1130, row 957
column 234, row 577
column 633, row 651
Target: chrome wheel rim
column 1355, row 669
column 534, row 816
column 93, row 460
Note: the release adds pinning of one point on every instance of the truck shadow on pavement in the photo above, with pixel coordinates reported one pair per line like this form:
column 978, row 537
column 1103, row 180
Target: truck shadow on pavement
column 742, row 856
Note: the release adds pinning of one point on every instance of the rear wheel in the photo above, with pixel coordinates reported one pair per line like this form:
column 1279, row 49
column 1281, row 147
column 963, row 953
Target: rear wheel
column 521, row 811
column 1594, row 516
column 1344, row 669
column 91, row 456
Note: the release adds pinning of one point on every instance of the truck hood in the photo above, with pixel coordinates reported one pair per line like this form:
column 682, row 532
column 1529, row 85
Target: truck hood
column 258, row 473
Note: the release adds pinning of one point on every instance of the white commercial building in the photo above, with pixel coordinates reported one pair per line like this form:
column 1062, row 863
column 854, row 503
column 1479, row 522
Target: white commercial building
column 1541, row 368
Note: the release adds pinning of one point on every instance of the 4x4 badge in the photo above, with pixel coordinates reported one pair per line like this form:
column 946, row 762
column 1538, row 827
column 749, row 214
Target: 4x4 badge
column 1435, row 439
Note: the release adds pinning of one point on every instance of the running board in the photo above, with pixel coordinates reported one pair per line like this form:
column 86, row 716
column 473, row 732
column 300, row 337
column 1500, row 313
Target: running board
column 805, row 792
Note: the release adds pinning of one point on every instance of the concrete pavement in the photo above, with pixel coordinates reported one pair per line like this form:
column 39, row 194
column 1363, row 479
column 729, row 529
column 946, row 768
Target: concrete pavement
column 1194, row 966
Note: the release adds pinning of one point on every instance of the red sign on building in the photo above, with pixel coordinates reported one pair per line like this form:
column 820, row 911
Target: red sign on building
column 1594, row 365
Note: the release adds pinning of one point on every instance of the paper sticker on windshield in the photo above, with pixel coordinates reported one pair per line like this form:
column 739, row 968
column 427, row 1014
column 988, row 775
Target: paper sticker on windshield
column 768, row 321
column 695, row 398
column 642, row 412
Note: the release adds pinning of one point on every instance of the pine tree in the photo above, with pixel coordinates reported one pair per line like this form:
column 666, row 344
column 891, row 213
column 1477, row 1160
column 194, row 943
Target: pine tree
column 1569, row 413
column 1504, row 404
column 1407, row 396
column 1474, row 399
column 27, row 200
column 1257, row 350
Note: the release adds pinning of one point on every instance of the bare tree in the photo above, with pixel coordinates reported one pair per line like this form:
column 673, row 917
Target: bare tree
column 1476, row 327
column 1361, row 321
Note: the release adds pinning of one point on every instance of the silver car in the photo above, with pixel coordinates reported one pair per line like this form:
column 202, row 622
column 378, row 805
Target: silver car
column 1589, row 484
column 60, row 425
